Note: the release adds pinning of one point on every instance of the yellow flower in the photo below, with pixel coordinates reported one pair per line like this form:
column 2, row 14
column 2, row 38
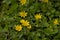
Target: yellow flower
column 29, row 27
column 45, row 1
column 24, row 22
column 38, row 16
column 23, row 14
column 56, row 22
column 23, row 2
column 18, row 27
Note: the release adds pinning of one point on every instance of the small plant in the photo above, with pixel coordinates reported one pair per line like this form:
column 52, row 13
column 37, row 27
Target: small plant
column 30, row 20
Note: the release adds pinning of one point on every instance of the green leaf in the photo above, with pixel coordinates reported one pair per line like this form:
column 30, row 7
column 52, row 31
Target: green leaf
column 48, row 31
column 1, row 29
column 6, row 28
column 14, row 7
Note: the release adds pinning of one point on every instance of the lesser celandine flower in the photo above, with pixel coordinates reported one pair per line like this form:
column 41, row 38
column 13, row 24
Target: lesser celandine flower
column 23, row 2
column 24, row 22
column 38, row 16
column 18, row 27
column 55, row 22
column 23, row 14
column 29, row 27
column 45, row 1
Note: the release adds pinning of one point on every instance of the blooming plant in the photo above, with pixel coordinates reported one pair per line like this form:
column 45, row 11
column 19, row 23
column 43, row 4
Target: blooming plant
column 29, row 19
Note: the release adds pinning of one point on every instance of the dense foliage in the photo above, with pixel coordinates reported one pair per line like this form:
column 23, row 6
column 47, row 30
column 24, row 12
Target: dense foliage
column 41, row 20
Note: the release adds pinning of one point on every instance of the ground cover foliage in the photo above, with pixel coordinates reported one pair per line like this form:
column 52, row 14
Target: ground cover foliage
column 43, row 26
